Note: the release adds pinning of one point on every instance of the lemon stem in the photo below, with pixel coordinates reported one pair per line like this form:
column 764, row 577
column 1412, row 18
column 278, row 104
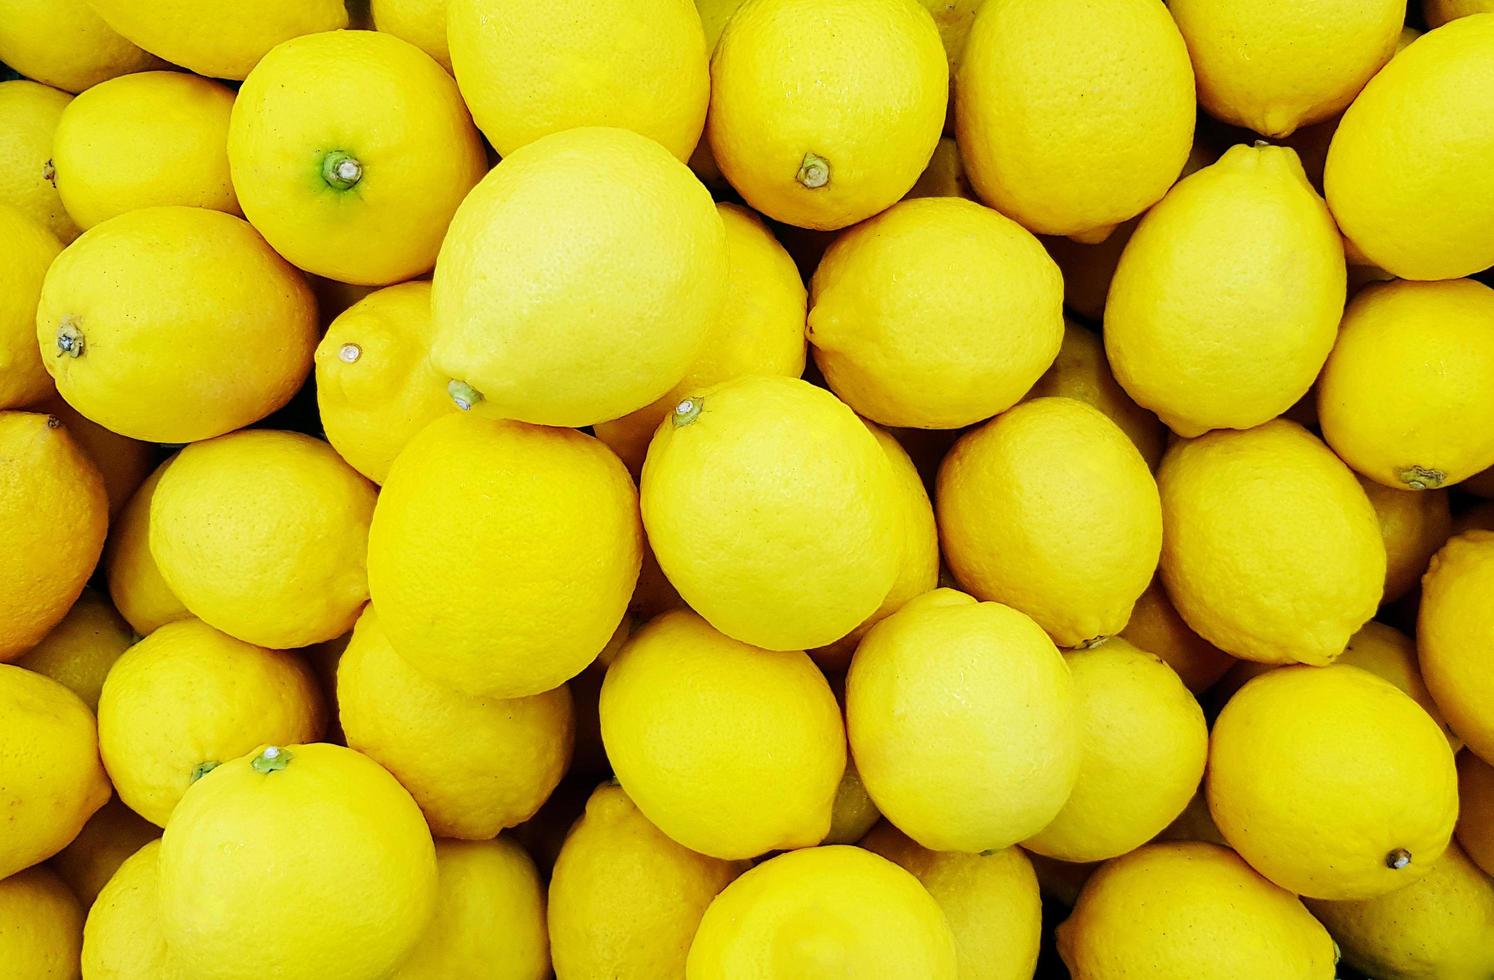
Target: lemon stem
column 463, row 394
column 271, row 759
column 1398, row 859
column 1422, row 478
column 341, row 170
column 69, row 338
column 687, row 411
column 814, row 172
column 202, row 769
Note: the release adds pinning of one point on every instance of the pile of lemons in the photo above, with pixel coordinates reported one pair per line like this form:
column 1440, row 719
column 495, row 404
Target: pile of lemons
column 625, row 489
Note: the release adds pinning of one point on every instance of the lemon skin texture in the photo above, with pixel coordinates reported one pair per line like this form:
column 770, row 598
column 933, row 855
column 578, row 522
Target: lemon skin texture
column 122, row 462
column 1413, row 525
column 853, row 813
column 1189, row 909
column 773, row 511
column 1293, row 744
column 41, row 925
column 29, row 112
column 1407, row 175
column 1050, row 509
column 111, row 835
column 318, row 833
column 1454, row 631
column 729, row 749
column 1475, row 829
column 1407, row 396
column 175, row 324
column 122, row 937
column 529, row 70
column 350, row 151
column 65, row 45
column 954, row 18
column 136, row 587
column 1272, row 552
column 579, row 280
column 935, row 314
column 991, row 902
column 963, row 722
column 1228, row 297
column 1038, row 146
column 1439, row 12
column 262, row 534
column 80, row 650
column 625, row 900
column 824, row 112
column 26, row 252
column 1156, row 627
column 421, row 22
column 825, row 911
column 1390, row 655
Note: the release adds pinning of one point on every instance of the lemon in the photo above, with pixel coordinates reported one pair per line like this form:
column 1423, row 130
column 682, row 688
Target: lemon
column 1390, row 655
column 579, row 281
column 80, row 650
column 421, row 22
column 1405, row 175
column 53, row 516
column 714, row 15
column 823, row 114
column 122, row 938
column 1439, row 12
column 1180, row 911
column 207, row 331
column 122, row 462
column 1275, row 67
column 963, row 722
column 625, row 900
column 41, row 926
column 29, row 113
column 65, row 44
column 106, row 841
column 375, row 388
column 490, row 916
column 1273, row 552
column 1475, row 829
column 463, row 568
column 853, row 813
column 475, row 765
column 531, row 69
column 1050, row 509
column 26, row 251
column 135, row 584
column 991, row 902
column 1228, row 296
column 262, row 535
column 945, row 174
column 1195, row 822
column 954, row 18
column 773, row 511
column 1082, row 373
column 1088, row 268
column 935, row 314
column 1156, row 627
column 825, row 911
column 1413, row 525
column 1455, row 636
column 760, row 331
column 1039, row 146
column 1294, row 744
column 350, row 152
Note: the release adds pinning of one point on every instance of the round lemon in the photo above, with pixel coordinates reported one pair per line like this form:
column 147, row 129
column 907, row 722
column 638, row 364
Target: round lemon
column 122, row 938
column 773, row 511
column 421, row 22
column 41, row 926
column 1455, row 636
column 111, row 835
column 1050, row 509
column 579, row 280
column 135, row 584
column 1156, row 627
column 26, row 252
column 63, row 43
column 1390, row 655
column 625, row 900
column 29, row 113
column 1273, row 552
column 81, row 649
column 1228, row 296
column 122, row 462
column 823, row 114
column 935, row 314
column 1475, row 829
column 1439, row 12
column 1413, row 525
column 964, row 723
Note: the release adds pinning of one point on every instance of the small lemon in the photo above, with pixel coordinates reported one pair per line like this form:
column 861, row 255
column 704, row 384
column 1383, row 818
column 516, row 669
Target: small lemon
column 1390, row 655
column 1156, row 627
column 945, row 174
column 1475, row 829
column 41, row 926
column 80, row 650
column 1439, row 12
column 1413, row 525
column 135, row 584
column 29, row 113
column 954, row 18
column 853, row 813
column 26, row 252
column 1088, row 268
column 122, row 938
column 122, row 462
column 1195, row 823
column 65, row 44
column 106, row 841
column 421, row 22
column 1455, row 636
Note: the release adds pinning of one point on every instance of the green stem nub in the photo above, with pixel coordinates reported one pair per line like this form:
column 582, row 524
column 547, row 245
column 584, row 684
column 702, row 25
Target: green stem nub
column 202, row 769
column 1421, row 478
column 272, row 758
column 463, row 394
column 1398, row 859
column 341, row 170
column 687, row 411
column 814, row 172
column 69, row 338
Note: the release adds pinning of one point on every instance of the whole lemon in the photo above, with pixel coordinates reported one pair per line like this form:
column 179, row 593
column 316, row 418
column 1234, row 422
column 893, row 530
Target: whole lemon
column 1050, row 508
column 625, row 900
column 935, row 314
column 1439, row 12
column 421, row 22
column 579, row 280
column 65, row 44
column 135, row 584
column 1179, row 911
column 1390, row 655
column 1156, row 627
column 348, row 893
column 123, row 463
column 1273, row 552
column 109, row 837
column 1413, row 525
column 122, row 938
column 1475, row 829
column 824, row 113
column 1405, row 175
column 773, row 511
column 963, row 722
column 1455, row 636
column 823, row 911
column 80, row 650
column 1228, row 296
column 29, row 112
column 262, row 534
column 1039, row 146
column 26, row 251
column 41, row 926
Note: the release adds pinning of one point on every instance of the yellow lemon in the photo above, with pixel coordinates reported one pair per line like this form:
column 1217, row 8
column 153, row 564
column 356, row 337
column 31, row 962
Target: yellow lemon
column 531, row 69
column 65, row 44
column 1194, row 823
column 135, row 584
column 26, row 252
column 475, row 765
column 579, row 280
column 1088, row 268
column 991, row 902
column 1039, row 146
column 122, row 938
column 1405, row 176
column 490, row 916
column 41, row 926
column 53, row 516
column 1455, row 636
column 1228, row 296
column 262, row 534
column 1390, row 655
column 1439, row 12
column 773, row 511
column 824, row 911
column 350, row 152
column 1405, row 396
column 945, row 174
column 935, row 314
column 954, row 18
column 760, row 331
column 714, row 15
column 1142, row 751
column 964, row 723
column 421, row 22
column 1413, row 525
column 1475, row 829
column 853, row 813
column 375, row 387
column 1294, row 744
column 1273, row 552
column 1156, row 627
column 823, row 114
column 625, row 900
column 80, row 650
column 29, row 113
column 463, row 568
column 108, row 839
column 1180, row 911
column 1050, row 509
column 122, row 462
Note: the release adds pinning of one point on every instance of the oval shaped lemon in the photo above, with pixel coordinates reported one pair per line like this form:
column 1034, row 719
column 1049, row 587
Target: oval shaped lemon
column 1454, row 630
column 135, row 584
column 1390, row 655
column 421, row 22
column 26, row 252
column 122, row 937
column 79, row 651
column 1413, row 525
column 29, row 112
column 65, row 44
column 111, row 835
column 1156, row 627
column 43, row 931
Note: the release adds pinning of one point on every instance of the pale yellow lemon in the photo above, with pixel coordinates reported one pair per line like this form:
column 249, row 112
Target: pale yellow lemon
column 122, row 462
column 26, row 252
column 1390, row 654
column 122, row 937
column 421, row 22
column 1413, row 525
column 1475, row 829
column 29, row 112
column 135, row 584
column 41, row 926
column 1156, row 627
column 1439, row 12
column 80, row 650
column 106, row 841
column 1455, row 636
column 63, row 43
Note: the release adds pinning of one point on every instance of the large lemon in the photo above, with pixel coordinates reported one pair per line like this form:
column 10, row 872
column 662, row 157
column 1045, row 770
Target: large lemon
column 122, row 938
column 135, row 584
column 81, row 649
column 1455, row 636
column 111, row 835
column 63, row 43
column 29, row 113
column 42, row 931
column 1156, row 627
column 26, row 252
column 1413, row 525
